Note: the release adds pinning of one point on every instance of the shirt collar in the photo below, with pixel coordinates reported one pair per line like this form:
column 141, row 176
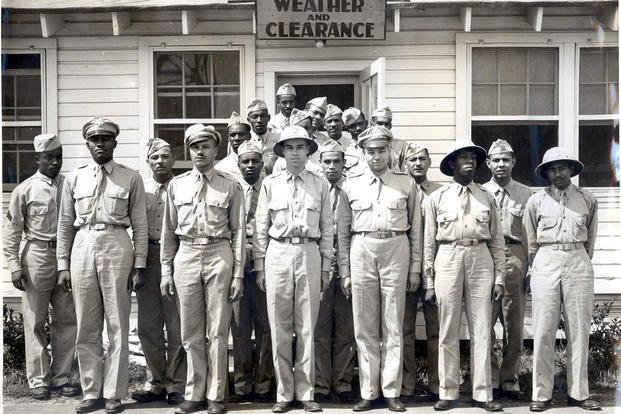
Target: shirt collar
column 455, row 185
column 109, row 166
column 256, row 186
column 339, row 183
column 556, row 193
column 302, row 174
column 208, row 174
column 384, row 178
column 425, row 185
column 509, row 187
column 45, row 178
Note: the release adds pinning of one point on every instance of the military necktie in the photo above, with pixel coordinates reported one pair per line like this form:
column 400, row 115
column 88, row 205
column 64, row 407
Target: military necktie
column 99, row 179
column 464, row 200
column 334, row 196
column 254, row 196
column 501, row 195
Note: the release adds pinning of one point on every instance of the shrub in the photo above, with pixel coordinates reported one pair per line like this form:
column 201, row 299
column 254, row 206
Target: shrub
column 604, row 343
column 13, row 332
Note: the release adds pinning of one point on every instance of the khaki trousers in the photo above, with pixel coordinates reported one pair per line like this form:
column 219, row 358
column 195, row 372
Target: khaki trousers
column 335, row 343
column 510, row 310
column 251, row 373
column 561, row 281
column 166, row 364
column 293, row 282
column 379, row 271
column 464, row 273
column 202, row 275
column 101, row 262
column 39, row 267
column 430, row 313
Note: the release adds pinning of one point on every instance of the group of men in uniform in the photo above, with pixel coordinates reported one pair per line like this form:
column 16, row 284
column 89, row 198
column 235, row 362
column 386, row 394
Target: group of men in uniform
column 325, row 240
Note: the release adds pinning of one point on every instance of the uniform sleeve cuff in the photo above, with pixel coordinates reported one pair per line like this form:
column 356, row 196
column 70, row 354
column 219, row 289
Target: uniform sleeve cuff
column 415, row 267
column 166, row 270
column 259, row 264
column 63, row 264
column 13, row 266
column 500, row 280
column 140, row 262
column 343, row 272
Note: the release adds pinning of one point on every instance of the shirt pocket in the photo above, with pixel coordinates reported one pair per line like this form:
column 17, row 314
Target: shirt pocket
column 116, row 199
column 37, row 213
column 184, row 205
column 515, row 220
column 84, row 201
column 445, row 220
column 545, row 229
column 361, row 214
column 579, row 227
column 397, row 213
column 279, row 211
column 312, row 215
column 217, row 209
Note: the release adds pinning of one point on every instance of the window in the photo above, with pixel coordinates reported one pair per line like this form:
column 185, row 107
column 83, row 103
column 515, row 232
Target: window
column 194, row 87
column 598, row 117
column 22, row 115
column 515, row 97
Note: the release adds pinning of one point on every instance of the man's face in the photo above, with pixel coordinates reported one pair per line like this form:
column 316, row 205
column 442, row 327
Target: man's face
column 101, row 148
column 377, row 158
column 464, row 164
column 295, row 151
column 501, row 164
column 250, row 165
column 418, row 164
column 259, row 120
column 161, row 163
column 203, row 154
column 332, row 163
column 382, row 121
column 317, row 115
column 238, row 133
column 286, row 103
column 334, row 126
column 559, row 173
column 357, row 127
column 50, row 162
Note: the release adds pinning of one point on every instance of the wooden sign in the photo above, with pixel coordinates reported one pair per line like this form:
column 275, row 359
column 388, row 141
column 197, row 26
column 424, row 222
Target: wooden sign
column 321, row 19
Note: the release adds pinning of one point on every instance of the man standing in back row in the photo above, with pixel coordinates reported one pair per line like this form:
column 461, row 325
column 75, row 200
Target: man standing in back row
column 285, row 101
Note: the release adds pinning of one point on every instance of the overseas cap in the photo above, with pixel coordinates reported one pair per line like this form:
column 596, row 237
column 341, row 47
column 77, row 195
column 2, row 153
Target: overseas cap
column 100, row 126
column 286, row 89
column 499, row 146
column 383, row 111
column 199, row 132
column 332, row 111
column 45, row 142
column 247, row 147
column 156, row 144
column 321, row 103
column 555, row 154
column 458, row 146
column 293, row 132
column 256, row 105
column 298, row 115
column 412, row 149
column 331, row 146
column 351, row 115
column 237, row 119
column 375, row 135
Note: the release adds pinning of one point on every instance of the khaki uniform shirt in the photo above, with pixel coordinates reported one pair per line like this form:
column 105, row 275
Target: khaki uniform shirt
column 118, row 200
column 446, row 220
column 155, row 194
column 510, row 206
column 555, row 216
column 277, row 123
column 228, row 165
column 33, row 211
column 385, row 203
column 280, row 214
column 203, row 206
column 251, row 200
column 266, row 142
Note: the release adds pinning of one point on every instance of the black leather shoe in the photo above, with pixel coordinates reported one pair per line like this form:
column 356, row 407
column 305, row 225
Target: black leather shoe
column 113, row 405
column 311, row 406
column 394, row 404
column 189, row 406
column 148, row 396
column 362, row 405
column 89, row 405
column 487, row 405
column 539, row 406
column 174, row 398
column 68, row 390
column 215, row 407
column 280, row 407
column 434, row 397
column 40, row 393
column 444, row 405
column 587, row 404
column 321, row 398
column 347, row 397
column 266, row 397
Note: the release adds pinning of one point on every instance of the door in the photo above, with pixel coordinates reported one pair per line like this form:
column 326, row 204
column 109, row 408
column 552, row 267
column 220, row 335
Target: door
column 373, row 86
column 341, row 90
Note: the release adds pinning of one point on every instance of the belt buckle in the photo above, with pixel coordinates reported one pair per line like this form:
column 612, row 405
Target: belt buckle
column 296, row 240
column 99, row 226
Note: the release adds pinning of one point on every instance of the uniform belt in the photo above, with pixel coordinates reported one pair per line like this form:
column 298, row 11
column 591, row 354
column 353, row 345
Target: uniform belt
column 154, row 242
column 564, row 246
column 380, row 234
column 463, row 242
column 202, row 241
column 296, row 240
column 511, row 241
column 47, row 243
column 101, row 226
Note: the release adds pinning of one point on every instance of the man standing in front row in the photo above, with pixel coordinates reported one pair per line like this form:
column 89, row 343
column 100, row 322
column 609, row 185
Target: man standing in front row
column 464, row 259
column 33, row 212
column 102, row 200
column 203, row 252
column 561, row 225
column 379, row 247
column 418, row 162
column 511, row 198
column 166, row 365
column 292, row 257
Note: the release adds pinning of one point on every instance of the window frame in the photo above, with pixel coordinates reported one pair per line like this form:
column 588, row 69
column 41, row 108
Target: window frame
column 49, row 80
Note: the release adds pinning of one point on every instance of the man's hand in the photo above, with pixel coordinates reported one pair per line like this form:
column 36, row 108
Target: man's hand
column 167, row 286
column 64, row 280
column 261, row 280
column 135, row 280
column 325, row 280
column 430, row 297
column 499, row 292
column 413, row 282
column 236, row 290
column 19, row 280
column 345, row 283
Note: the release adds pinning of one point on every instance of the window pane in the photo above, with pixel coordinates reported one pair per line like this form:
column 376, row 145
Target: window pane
column 197, row 68
column 484, row 99
column 613, row 65
column 168, row 69
column 512, row 99
column 543, row 65
column 529, row 141
column 9, row 164
column 17, row 163
column 20, row 133
column 541, row 99
column 484, row 65
column 169, row 103
column 21, row 61
column 27, row 165
column 199, row 105
column 513, row 66
column 226, row 68
column 599, row 81
column 592, row 99
column 592, row 68
column 226, row 101
column 599, row 152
